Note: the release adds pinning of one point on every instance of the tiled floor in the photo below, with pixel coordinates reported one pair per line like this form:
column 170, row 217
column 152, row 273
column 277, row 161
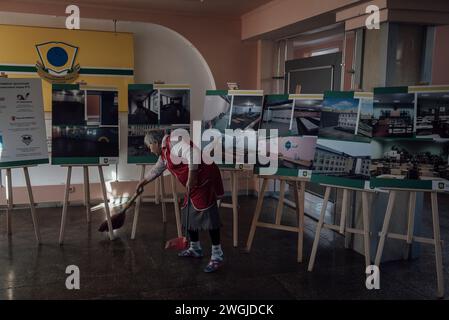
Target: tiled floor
column 142, row 269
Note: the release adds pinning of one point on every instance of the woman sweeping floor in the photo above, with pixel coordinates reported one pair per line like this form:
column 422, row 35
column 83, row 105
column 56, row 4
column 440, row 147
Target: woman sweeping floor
column 204, row 187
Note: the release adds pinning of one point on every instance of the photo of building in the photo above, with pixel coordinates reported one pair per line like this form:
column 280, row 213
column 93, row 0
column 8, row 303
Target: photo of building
column 84, row 124
column 342, row 159
column 410, row 159
column 393, row 114
column 365, row 124
column 217, row 112
column 143, row 107
column 306, row 117
column 339, row 118
column 174, row 106
column 277, row 114
column 432, row 115
column 246, row 112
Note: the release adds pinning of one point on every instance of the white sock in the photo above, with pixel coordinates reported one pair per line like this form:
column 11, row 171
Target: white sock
column 195, row 245
column 217, row 253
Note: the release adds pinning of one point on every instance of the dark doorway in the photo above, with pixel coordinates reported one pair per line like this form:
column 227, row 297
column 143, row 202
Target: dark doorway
column 314, row 74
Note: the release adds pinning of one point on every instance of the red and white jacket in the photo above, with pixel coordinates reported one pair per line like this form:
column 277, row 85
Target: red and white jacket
column 178, row 160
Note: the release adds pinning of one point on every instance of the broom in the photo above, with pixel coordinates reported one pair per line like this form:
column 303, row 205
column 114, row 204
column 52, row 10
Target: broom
column 181, row 243
column 118, row 220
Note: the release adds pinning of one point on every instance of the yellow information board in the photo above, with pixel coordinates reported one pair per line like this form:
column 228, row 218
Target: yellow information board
column 94, row 58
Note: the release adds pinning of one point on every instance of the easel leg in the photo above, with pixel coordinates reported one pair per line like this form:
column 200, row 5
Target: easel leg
column 162, row 193
column 137, row 207
column 87, row 192
column 349, row 217
column 65, row 205
column 32, row 205
column 9, row 197
column 411, row 222
column 280, row 206
column 256, row 214
column 436, row 237
column 366, row 226
column 299, row 198
column 235, row 212
column 344, row 211
column 383, row 234
column 106, row 203
column 318, row 228
column 176, row 204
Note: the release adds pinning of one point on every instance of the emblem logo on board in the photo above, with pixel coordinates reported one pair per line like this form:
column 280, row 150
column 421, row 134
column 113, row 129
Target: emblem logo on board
column 27, row 139
column 57, row 62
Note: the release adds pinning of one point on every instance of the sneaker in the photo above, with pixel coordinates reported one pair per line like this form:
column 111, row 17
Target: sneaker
column 213, row 265
column 191, row 253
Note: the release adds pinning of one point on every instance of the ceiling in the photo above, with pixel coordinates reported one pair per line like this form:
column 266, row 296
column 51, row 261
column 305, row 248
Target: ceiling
column 200, row 7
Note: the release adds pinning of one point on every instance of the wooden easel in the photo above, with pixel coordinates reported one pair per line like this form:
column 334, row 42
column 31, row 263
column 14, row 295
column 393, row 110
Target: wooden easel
column 409, row 237
column 159, row 197
column 344, row 227
column 299, row 186
column 234, row 203
column 10, row 202
column 86, row 199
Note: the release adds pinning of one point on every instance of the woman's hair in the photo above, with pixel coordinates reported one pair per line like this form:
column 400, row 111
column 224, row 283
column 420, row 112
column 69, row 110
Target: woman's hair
column 154, row 136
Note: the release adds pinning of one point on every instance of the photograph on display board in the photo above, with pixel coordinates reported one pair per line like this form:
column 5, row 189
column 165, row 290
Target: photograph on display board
column 297, row 134
column 340, row 118
column 142, row 106
column 394, row 112
column 143, row 116
column 277, row 114
column 306, row 117
column 419, row 160
column 234, row 109
column 410, row 159
column 295, row 155
column 174, row 106
column 342, row 159
column 246, row 112
column 217, row 110
column 22, row 123
column 432, row 115
column 84, row 126
column 343, row 152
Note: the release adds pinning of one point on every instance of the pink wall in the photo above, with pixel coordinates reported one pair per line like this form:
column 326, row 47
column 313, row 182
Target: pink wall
column 281, row 13
column 440, row 70
column 217, row 38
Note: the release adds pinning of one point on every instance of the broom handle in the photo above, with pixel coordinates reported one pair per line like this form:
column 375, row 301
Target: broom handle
column 133, row 199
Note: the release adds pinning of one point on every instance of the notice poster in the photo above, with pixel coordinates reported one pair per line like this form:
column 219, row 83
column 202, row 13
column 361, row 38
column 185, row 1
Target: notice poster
column 159, row 107
column 295, row 120
column 85, row 128
column 343, row 152
column 410, row 148
column 231, row 113
column 22, row 125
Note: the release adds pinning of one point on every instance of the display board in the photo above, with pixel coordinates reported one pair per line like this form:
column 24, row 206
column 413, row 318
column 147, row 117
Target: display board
column 410, row 147
column 233, row 110
column 22, row 124
column 296, row 119
column 161, row 107
column 343, row 152
column 85, row 129
column 60, row 55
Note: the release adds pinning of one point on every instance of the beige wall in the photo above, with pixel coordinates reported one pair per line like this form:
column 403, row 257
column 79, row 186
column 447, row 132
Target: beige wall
column 282, row 13
column 440, row 70
column 217, row 38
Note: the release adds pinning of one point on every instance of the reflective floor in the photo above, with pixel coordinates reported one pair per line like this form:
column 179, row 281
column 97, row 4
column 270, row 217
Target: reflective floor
column 142, row 269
